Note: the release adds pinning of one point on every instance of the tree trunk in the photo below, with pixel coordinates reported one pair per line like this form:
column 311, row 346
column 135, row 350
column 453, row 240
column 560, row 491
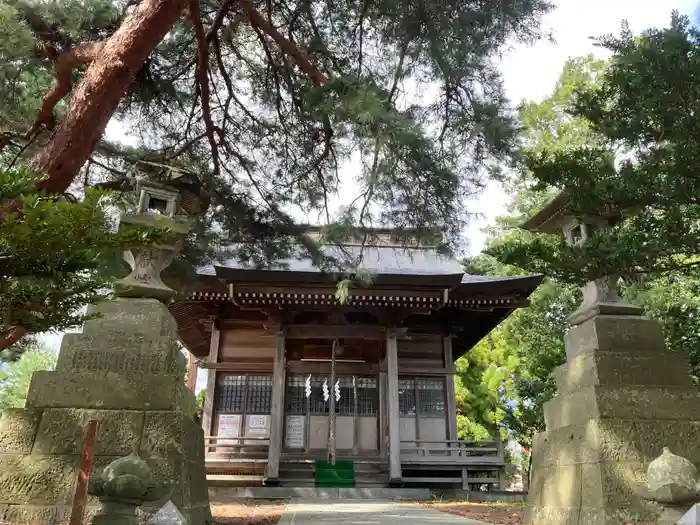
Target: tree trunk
column 528, row 478
column 12, row 336
column 99, row 93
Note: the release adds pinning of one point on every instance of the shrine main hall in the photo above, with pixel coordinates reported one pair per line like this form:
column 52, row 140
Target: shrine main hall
column 266, row 338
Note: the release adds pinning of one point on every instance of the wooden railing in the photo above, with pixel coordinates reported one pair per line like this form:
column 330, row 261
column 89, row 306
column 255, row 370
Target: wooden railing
column 229, row 447
column 420, row 451
column 484, row 453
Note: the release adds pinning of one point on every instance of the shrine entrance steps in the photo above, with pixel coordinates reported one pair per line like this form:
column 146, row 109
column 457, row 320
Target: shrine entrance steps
column 302, row 473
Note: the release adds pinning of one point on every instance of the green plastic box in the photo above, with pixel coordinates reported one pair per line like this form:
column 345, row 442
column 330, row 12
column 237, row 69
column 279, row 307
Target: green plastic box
column 340, row 475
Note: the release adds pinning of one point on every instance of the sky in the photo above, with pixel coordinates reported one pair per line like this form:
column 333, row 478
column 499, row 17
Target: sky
column 531, row 72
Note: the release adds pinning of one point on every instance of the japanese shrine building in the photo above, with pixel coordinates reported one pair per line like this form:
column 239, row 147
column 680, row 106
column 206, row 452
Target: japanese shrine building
column 264, row 335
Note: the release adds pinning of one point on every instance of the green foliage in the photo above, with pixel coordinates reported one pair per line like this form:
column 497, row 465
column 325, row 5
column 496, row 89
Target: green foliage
column 571, row 131
column 641, row 159
column 483, row 381
column 16, row 376
column 201, row 398
column 517, row 358
column 468, row 429
column 536, row 335
column 53, row 254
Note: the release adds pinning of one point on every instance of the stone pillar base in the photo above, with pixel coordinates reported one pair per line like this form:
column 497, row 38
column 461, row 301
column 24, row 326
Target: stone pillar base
column 622, row 397
column 396, row 483
column 126, row 371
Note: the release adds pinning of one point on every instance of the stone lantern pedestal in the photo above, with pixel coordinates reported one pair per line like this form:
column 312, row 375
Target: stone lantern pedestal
column 125, row 370
column 622, row 396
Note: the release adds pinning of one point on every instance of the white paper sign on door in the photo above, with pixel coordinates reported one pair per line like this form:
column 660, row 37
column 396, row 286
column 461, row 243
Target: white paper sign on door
column 229, row 426
column 294, row 435
column 257, row 426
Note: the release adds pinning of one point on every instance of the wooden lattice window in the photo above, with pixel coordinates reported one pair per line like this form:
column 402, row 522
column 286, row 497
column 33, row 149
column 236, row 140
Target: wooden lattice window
column 346, row 405
column 230, row 393
column 295, row 395
column 316, row 403
column 367, row 396
column 244, row 394
column 259, row 394
column 407, row 396
column 431, row 396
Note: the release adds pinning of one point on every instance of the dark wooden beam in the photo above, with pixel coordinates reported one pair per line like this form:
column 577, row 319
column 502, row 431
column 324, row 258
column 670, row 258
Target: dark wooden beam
column 366, row 332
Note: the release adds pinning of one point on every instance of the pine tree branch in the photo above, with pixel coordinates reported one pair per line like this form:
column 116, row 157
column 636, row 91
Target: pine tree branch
column 63, row 66
column 45, row 33
column 101, row 90
column 202, row 79
column 285, row 45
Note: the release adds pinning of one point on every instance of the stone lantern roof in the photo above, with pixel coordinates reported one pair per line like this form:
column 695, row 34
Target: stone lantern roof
column 600, row 296
column 550, row 219
column 556, row 214
column 193, row 199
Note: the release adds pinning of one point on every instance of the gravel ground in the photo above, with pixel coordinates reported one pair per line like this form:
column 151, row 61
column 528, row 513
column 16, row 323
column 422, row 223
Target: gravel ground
column 247, row 512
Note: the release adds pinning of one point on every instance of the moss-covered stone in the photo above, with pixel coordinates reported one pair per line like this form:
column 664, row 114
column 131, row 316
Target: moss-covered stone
column 109, row 390
column 138, row 316
column 615, row 334
column 167, row 432
column 126, row 372
column 123, row 353
column 18, row 429
column 635, row 403
column 199, row 492
column 32, row 514
column 197, row 514
column 171, row 470
column 37, row 479
column 680, row 436
column 62, row 431
column 605, row 368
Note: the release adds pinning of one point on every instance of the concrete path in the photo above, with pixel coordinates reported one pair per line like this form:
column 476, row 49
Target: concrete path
column 366, row 512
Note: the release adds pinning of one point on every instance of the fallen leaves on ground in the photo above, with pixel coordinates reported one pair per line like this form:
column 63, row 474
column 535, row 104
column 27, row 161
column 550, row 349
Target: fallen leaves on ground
column 501, row 513
column 493, row 513
column 246, row 512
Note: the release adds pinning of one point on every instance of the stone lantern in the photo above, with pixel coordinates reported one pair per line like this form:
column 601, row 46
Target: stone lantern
column 600, row 296
column 158, row 206
column 621, row 396
column 125, row 370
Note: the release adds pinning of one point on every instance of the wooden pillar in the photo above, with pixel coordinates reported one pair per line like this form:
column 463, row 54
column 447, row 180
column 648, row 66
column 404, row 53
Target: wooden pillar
column 208, row 412
column 392, row 361
column 383, row 425
column 191, row 372
column 274, row 451
column 502, row 484
column 450, row 388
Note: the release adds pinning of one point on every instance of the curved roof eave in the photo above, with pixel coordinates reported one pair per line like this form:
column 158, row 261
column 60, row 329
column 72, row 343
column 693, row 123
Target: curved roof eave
column 276, row 276
column 475, row 285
